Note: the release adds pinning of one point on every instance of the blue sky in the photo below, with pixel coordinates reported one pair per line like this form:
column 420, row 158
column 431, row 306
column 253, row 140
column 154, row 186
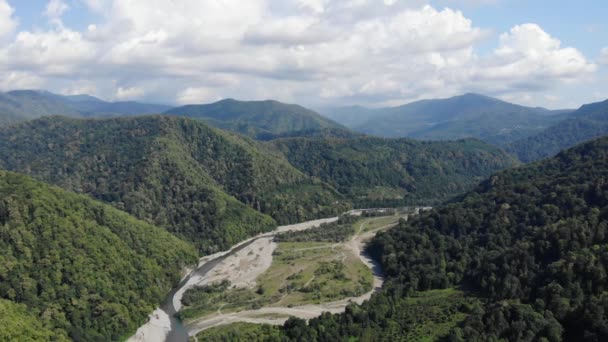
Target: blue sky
column 313, row 52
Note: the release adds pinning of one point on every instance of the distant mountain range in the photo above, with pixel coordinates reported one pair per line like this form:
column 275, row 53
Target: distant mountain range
column 530, row 133
column 259, row 119
column 588, row 122
column 22, row 105
column 470, row 115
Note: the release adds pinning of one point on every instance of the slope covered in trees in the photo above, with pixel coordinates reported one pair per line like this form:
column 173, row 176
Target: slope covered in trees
column 177, row 173
column 74, row 268
column 379, row 172
column 17, row 106
column 529, row 245
column 22, row 105
column 469, row 115
column 588, row 122
column 259, row 119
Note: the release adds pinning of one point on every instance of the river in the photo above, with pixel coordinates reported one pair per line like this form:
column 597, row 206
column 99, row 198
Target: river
column 163, row 326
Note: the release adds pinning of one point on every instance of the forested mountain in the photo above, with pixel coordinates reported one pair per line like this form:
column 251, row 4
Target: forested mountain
column 72, row 268
column 258, row 119
column 470, row 115
column 176, row 173
column 22, row 105
column 378, row 172
column 588, row 122
column 529, row 246
column 16, row 106
column 89, row 106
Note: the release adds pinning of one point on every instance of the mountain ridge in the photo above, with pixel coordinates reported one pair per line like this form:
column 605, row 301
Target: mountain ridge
column 258, row 119
column 468, row 115
column 588, row 122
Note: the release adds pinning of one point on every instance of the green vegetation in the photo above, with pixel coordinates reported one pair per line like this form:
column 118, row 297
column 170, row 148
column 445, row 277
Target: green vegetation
column 22, row 105
column 469, row 115
column 426, row 172
column 531, row 244
column 424, row 316
column 17, row 106
column 257, row 119
column 588, row 122
column 336, row 231
column 173, row 172
column 301, row 273
column 85, row 270
column 19, row 325
column 241, row 332
column 308, row 267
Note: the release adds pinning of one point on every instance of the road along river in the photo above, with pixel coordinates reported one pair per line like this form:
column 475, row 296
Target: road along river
column 241, row 265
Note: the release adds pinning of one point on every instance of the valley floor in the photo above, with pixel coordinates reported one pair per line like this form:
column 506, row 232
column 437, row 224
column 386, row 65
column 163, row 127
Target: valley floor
column 262, row 281
column 294, row 285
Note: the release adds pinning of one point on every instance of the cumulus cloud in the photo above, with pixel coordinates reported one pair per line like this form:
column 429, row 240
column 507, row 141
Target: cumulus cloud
column 528, row 57
column 7, row 22
column 309, row 51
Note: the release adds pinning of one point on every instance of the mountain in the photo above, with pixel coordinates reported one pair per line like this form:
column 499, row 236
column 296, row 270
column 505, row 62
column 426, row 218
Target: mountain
column 202, row 184
column 16, row 106
column 588, row 122
column 22, row 105
column 258, row 119
column 522, row 257
column 73, row 268
column 351, row 116
column 387, row 172
column 470, row 115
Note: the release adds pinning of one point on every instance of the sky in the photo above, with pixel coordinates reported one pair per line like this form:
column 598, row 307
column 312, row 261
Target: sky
column 317, row 53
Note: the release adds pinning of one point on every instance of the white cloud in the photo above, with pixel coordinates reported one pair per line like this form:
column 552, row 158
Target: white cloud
column 7, row 22
column 55, row 9
column 603, row 56
column 309, row 51
column 129, row 93
column 57, row 52
column 529, row 54
column 197, row 95
column 19, row 80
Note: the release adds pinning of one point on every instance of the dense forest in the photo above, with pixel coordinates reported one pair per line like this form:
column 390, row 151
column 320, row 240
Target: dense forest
column 202, row 184
column 588, row 122
column 528, row 248
column 74, row 268
column 392, row 172
column 257, row 119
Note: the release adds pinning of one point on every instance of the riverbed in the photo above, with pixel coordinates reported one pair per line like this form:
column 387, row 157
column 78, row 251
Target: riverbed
column 241, row 265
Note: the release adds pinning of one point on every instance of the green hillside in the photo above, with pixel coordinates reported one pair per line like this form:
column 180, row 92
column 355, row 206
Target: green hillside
column 84, row 270
column 257, row 119
column 17, row 106
column 376, row 171
column 588, row 122
column 469, row 115
column 22, row 105
column 522, row 257
column 202, row 184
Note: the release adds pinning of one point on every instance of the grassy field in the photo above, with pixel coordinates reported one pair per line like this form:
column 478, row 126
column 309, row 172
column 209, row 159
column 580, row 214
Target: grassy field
column 374, row 223
column 301, row 273
column 315, row 273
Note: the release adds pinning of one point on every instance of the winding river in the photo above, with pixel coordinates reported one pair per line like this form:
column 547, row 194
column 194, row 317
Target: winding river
column 164, row 326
